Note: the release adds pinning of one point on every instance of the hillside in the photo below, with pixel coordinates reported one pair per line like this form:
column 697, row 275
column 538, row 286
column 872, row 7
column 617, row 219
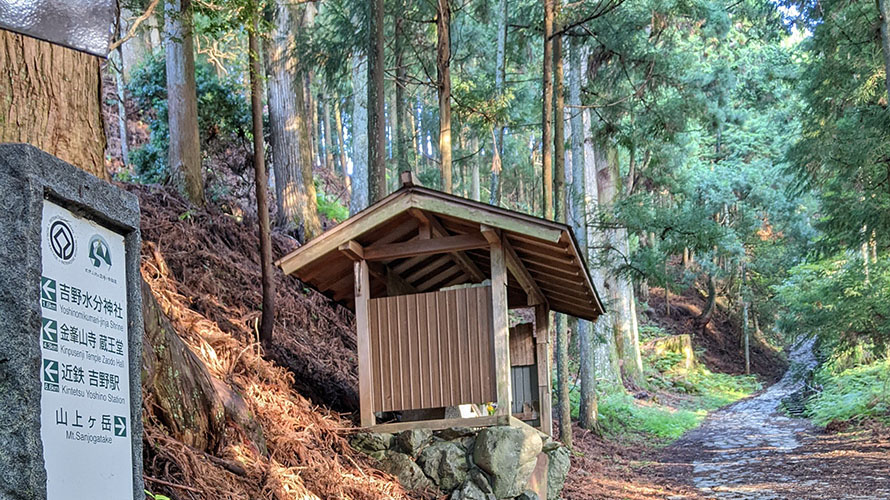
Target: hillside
column 201, row 267
column 719, row 343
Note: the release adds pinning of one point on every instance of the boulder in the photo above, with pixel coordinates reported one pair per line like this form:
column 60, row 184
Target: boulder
column 557, row 471
column 471, row 491
column 445, row 463
column 550, row 445
column 413, row 441
column 528, row 495
column 480, row 479
column 404, row 468
column 508, row 455
column 369, row 442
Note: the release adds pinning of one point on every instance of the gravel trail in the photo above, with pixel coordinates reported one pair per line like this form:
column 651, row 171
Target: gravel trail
column 750, row 450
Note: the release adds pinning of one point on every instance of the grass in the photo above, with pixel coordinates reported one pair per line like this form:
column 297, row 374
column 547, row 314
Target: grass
column 623, row 416
column 680, row 400
column 852, row 394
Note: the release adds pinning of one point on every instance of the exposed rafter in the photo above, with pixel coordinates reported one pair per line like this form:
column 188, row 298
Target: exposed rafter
column 438, row 230
column 412, row 248
column 514, row 265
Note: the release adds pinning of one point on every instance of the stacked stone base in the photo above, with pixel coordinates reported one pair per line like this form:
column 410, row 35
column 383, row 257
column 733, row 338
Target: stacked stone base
column 493, row 463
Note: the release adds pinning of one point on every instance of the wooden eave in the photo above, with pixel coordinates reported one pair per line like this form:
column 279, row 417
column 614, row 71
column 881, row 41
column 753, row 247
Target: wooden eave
column 548, row 252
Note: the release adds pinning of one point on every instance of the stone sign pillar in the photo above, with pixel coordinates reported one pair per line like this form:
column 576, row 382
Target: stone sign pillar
column 70, row 332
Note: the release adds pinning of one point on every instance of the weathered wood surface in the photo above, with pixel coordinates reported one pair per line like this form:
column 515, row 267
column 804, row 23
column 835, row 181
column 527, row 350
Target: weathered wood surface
column 447, row 423
column 500, row 328
column 419, row 247
column 522, row 345
column 362, row 327
column 432, row 350
column 545, row 392
column 49, row 97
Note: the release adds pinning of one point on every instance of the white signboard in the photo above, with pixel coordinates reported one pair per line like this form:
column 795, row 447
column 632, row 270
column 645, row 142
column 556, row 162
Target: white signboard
column 85, row 401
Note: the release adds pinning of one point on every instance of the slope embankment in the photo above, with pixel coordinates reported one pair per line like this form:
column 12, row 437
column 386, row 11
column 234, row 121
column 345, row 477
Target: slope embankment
column 276, row 440
column 719, row 343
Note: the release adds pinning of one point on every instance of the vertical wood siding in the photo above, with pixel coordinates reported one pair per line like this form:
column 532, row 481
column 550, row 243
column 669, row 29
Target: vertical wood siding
column 431, row 350
column 523, row 368
column 522, row 345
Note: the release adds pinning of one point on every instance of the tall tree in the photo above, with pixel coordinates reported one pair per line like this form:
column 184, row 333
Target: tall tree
column 500, row 75
column 51, row 100
column 443, row 85
column 328, row 139
column 360, row 197
column 341, row 145
column 587, row 412
column 376, row 116
column 289, row 137
column 617, row 285
column 560, row 212
column 547, row 111
column 606, row 365
column 402, row 143
column 184, row 157
column 267, row 322
column 884, row 6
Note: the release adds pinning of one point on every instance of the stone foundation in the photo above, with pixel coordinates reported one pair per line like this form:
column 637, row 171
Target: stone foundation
column 493, row 463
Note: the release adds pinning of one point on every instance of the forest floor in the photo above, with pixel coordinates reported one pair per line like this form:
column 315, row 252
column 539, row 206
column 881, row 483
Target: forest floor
column 211, row 258
column 748, row 450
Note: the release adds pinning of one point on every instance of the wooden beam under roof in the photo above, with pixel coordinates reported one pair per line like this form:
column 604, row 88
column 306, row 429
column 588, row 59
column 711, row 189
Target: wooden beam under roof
column 480, row 213
column 514, row 265
column 355, row 252
column 440, row 277
column 417, row 247
column 436, row 228
column 385, row 209
column 428, row 268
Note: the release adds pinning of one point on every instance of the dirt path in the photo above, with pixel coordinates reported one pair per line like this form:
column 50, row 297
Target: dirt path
column 750, row 450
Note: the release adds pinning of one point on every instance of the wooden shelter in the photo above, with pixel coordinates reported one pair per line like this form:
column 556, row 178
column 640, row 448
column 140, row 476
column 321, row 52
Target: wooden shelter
column 431, row 277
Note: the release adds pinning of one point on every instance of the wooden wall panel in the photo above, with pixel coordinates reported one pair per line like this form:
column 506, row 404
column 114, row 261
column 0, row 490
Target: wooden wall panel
column 525, row 388
column 522, row 345
column 432, row 350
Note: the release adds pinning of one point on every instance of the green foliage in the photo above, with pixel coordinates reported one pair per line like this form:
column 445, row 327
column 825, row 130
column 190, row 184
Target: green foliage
column 223, row 115
column 329, row 206
column 852, row 394
column 650, row 331
column 720, row 389
column 155, row 497
column 845, row 140
column 835, row 300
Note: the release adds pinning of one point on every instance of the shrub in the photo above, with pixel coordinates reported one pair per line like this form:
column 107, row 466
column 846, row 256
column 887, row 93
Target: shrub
column 223, row 114
column 852, row 394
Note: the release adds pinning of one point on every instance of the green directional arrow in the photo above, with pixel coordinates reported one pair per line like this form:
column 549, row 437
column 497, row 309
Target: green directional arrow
column 51, row 371
column 47, row 289
column 120, row 426
column 50, row 330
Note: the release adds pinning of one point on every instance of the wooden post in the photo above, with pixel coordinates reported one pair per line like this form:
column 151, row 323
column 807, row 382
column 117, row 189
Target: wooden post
column 545, row 394
column 363, row 334
column 500, row 328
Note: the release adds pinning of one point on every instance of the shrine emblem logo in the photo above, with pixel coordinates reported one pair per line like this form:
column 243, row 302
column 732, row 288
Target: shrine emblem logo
column 100, row 254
